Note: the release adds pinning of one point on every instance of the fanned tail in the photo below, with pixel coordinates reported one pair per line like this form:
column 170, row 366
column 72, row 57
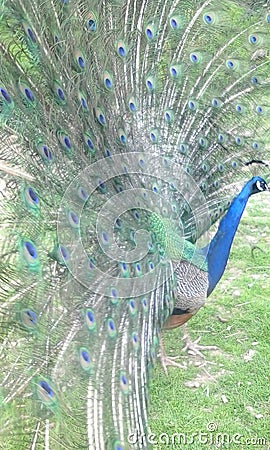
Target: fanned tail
column 115, row 117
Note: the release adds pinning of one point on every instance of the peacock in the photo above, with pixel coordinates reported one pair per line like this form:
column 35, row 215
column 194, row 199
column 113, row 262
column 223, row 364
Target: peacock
column 128, row 128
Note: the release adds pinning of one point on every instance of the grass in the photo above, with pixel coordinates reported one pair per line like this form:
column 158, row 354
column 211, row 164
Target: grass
column 229, row 390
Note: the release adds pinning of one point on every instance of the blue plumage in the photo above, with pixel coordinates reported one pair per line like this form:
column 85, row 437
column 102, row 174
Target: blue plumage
column 219, row 248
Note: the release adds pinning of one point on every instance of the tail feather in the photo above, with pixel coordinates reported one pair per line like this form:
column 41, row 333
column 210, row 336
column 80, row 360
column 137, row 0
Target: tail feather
column 112, row 113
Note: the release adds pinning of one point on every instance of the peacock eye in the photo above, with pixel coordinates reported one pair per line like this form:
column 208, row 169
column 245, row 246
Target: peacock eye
column 261, row 185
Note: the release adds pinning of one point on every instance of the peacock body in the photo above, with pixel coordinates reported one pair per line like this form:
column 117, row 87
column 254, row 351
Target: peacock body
column 126, row 130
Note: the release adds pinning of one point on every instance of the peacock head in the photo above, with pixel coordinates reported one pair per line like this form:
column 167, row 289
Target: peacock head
column 258, row 184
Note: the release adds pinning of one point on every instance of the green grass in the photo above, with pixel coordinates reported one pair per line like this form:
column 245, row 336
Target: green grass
column 231, row 387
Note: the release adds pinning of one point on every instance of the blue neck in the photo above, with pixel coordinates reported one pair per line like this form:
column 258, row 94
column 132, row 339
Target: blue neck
column 219, row 248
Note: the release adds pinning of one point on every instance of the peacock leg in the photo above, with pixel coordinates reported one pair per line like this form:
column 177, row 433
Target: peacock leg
column 169, row 360
column 193, row 347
